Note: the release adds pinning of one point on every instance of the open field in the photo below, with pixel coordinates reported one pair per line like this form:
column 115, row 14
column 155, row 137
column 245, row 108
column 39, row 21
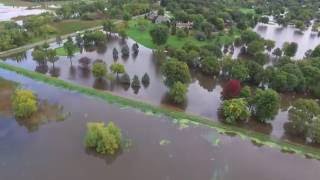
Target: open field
column 144, row 38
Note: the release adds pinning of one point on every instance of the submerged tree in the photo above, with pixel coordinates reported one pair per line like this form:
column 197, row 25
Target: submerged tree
column 99, row 70
column 52, row 56
column 70, row 48
column 178, row 92
column 175, row 71
column 104, row 139
column 125, row 51
column 135, row 48
column 115, row 53
column 117, row 68
column 24, row 103
column 145, row 80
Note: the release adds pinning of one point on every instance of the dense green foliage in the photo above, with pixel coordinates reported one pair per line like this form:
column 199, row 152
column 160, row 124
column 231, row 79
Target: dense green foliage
column 104, row 139
column 159, row 34
column 178, row 92
column 99, row 70
column 117, row 68
column 24, row 103
column 235, row 110
column 265, row 104
column 175, row 71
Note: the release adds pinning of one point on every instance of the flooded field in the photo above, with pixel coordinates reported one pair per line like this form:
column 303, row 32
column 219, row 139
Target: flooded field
column 158, row 148
column 204, row 92
column 9, row 12
column 307, row 40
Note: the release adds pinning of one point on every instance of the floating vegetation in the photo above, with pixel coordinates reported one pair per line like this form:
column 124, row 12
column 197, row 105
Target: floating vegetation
column 161, row 111
column 164, row 142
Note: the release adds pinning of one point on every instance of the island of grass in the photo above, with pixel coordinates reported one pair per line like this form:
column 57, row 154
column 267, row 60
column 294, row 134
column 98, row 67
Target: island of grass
column 142, row 35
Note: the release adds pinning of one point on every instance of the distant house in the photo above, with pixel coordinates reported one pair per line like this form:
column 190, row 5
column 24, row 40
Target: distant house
column 162, row 19
column 182, row 25
column 152, row 15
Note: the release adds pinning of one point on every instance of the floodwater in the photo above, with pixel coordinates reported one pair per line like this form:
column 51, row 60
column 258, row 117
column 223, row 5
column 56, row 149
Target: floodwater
column 204, row 92
column 159, row 150
column 9, row 12
column 306, row 40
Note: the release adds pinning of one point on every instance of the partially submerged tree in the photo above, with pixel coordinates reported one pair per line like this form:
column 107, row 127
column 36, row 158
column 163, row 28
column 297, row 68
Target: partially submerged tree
column 103, row 139
column 174, row 71
column 24, row 103
column 99, row 70
column 70, row 49
column 117, row 68
column 235, row 110
column 178, row 92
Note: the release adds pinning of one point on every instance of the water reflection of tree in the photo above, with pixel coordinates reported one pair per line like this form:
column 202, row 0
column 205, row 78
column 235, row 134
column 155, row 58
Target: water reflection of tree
column 100, row 84
column 102, row 48
column 19, row 57
column 72, row 72
column 55, row 71
column 46, row 113
column 206, row 82
column 42, row 68
column 108, row 159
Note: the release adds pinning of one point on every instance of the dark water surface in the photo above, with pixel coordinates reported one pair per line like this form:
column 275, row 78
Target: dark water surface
column 56, row 151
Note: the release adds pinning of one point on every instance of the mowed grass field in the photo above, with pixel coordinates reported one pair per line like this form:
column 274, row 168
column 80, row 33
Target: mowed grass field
column 143, row 37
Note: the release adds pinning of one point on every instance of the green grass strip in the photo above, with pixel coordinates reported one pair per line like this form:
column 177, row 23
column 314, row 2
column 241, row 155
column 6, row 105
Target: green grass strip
column 256, row 137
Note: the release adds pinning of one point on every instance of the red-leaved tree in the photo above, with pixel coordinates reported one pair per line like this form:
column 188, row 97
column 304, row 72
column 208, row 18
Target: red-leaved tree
column 231, row 89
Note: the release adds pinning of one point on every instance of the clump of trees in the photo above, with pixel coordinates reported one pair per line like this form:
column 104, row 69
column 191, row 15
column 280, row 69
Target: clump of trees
column 304, row 119
column 174, row 71
column 24, row 103
column 103, row 139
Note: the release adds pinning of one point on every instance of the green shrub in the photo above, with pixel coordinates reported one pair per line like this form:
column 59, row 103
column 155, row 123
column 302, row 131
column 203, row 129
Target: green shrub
column 24, row 103
column 235, row 109
column 99, row 70
column 104, row 139
column 178, row 92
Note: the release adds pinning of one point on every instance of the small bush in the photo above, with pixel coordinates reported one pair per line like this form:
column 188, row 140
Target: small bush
column 178, row 92
column 235, row 109
column 24, row 103
column 99, row 70
column 104, row 139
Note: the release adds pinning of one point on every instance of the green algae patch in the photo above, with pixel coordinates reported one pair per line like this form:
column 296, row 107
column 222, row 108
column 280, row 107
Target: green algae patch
column 162, row 111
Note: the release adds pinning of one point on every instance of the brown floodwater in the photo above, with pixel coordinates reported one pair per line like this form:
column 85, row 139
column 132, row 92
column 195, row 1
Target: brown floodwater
column 204, row 92
column 159, row 150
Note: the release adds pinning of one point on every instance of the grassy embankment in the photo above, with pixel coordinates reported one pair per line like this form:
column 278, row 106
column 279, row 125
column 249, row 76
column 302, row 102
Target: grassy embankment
column 260, row 138
column 144, row 38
